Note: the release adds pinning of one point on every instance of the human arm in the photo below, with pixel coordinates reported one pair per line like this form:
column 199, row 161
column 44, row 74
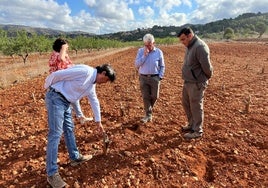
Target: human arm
column 77, row 108
column 140, row 57
column 95, row 105
column 203, row 55
column 161, row 65
column 100, row 129
column 63, row 52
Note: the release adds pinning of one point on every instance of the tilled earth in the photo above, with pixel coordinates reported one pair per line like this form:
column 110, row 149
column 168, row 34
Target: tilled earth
column 232, row 153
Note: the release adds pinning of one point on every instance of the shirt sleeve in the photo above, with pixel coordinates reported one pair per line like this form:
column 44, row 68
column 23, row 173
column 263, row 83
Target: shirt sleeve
column 161, row 65
column 95, row 105
column 204, row 59
column 140, row 58
column 77, row 108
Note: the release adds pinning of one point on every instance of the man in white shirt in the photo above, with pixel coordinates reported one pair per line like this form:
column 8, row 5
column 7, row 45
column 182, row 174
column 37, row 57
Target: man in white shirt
column 65, row 87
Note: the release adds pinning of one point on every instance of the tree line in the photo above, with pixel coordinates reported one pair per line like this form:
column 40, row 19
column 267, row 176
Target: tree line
column 23, row 43
column 243, row 26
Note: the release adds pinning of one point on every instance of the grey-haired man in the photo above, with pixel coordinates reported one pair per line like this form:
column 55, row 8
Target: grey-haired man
column 151, row 66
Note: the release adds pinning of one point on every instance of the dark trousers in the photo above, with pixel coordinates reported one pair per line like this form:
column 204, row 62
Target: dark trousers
column 192, row 102
column 149, row 87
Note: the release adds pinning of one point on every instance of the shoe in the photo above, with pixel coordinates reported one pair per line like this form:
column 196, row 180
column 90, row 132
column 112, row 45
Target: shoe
column 187, row 128
column 81, row 159
column 56, row 181
column 84, row 119
column 192, row 135
column 146, row 119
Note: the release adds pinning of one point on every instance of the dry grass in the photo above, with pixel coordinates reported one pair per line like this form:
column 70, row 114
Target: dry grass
column 14, row 70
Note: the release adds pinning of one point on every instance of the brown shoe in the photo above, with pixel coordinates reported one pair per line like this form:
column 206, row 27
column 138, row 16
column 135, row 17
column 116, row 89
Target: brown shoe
column 81, row 159
column 56, row 181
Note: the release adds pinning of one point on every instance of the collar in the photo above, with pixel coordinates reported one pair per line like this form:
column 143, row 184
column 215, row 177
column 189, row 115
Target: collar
column 153, row 49
column 194, row 39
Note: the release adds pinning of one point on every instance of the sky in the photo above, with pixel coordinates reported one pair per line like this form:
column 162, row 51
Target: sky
column 111, row 16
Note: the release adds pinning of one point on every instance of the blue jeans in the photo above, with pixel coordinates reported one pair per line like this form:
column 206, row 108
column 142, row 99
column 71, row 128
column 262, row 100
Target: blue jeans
column 59, row 121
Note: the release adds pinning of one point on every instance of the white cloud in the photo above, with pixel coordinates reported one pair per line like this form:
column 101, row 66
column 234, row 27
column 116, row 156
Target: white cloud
column 85, row 22
column 147, row 12
column 91, row 3
column 109, row 16
column 115, row 9
column 36, row 13
column 187, row 3
column 211, row 10
column 168, row 14
column 166, row 5
column 49, row 14
column 133, row 2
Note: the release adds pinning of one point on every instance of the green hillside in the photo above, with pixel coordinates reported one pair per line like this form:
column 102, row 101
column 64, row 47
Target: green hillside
column 243, row 26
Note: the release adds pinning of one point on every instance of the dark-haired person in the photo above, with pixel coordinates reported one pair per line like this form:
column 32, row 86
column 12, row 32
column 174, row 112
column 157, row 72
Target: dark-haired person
column 151, row 66
column 59, row 60
column 63, row 88
column 196, row 71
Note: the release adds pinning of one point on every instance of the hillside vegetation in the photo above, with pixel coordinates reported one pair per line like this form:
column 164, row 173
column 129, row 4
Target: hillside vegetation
column 245, row 25
column 22, row 41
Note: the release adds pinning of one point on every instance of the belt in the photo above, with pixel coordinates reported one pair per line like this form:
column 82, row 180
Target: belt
column 149, row 75
column 51, row 89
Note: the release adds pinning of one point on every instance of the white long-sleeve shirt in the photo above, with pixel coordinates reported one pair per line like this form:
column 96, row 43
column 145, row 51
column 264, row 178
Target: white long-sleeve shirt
column 74, row 83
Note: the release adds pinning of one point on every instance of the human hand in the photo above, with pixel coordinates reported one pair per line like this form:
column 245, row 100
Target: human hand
column 84, row 119
column 146, row 51
column 100, row 130
column 65, row 46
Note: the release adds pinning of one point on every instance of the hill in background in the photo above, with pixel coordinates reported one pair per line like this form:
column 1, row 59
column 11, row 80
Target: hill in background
column 244, row 24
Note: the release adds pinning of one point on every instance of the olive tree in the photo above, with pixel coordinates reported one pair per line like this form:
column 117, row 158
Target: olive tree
column 228, row 33
column 3, row 39
column 20, row 45
column 260, row 28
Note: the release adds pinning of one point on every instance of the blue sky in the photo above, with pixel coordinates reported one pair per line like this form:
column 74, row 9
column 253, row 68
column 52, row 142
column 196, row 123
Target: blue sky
column 110, row 16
